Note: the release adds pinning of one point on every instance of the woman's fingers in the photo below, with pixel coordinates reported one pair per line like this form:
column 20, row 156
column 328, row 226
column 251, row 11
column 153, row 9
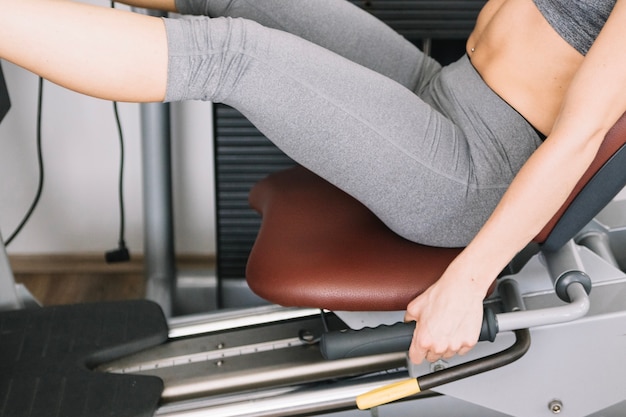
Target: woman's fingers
column 423, row 348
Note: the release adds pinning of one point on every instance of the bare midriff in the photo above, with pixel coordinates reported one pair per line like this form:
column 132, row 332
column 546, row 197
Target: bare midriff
column 521, row 58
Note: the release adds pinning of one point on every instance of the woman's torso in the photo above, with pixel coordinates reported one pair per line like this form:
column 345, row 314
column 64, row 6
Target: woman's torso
column 523, row 59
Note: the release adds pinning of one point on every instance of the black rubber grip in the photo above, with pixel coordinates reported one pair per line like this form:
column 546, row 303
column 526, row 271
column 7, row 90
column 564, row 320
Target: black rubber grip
column 367, row 341
column 386, row 339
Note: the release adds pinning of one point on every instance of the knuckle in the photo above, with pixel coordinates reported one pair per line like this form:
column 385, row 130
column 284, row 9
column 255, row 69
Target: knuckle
column 424, row 344
column 438, row 349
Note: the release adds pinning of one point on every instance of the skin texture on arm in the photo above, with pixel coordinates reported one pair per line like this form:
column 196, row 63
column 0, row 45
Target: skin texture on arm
column 101, row 52
column 449, row 314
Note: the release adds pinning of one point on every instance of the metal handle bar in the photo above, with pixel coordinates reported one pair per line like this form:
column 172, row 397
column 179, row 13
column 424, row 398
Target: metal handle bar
column 397, row 337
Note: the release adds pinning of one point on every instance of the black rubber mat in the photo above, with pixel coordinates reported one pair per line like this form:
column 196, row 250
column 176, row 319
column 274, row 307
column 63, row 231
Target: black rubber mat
column 47, row 356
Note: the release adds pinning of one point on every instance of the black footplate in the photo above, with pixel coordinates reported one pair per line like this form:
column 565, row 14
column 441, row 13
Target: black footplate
column 47, row 356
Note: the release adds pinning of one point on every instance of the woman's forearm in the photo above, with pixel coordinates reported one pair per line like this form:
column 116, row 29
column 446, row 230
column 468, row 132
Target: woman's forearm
column 449, row 313
column 538, row 191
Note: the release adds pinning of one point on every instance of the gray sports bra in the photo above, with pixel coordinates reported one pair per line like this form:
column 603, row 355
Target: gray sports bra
column 577, row 21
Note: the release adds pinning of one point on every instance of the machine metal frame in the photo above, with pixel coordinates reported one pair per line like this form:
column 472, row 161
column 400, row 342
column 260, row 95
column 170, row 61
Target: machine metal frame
column 259, row 363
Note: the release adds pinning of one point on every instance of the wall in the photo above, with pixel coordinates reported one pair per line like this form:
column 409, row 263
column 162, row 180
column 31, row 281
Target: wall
column 78, row 212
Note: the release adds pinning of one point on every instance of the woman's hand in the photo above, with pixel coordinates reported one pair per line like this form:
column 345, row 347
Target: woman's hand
column 448, row 318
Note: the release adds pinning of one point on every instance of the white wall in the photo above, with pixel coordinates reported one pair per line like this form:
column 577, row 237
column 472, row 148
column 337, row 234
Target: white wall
column 78, row 211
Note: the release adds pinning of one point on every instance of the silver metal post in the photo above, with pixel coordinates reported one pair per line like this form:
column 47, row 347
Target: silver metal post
column 159, row 254
column 159, row 260
column 598, row 243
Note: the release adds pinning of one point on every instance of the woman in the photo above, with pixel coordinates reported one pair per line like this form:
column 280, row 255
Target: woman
column 445, row 156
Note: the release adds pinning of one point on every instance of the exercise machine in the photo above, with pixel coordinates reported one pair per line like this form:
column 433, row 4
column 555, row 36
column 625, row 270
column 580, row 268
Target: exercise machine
column 338, row 281
column 566, row 295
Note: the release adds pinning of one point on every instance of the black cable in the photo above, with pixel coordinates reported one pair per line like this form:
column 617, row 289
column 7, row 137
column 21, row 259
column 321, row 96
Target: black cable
column 41, row 169
column 122, row 250
column 121, row 176
column 120, row 254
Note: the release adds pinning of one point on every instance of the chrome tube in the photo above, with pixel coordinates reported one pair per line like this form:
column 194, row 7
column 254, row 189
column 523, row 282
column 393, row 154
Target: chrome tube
column 578, row 308
column 234, row 319
column 282, row 402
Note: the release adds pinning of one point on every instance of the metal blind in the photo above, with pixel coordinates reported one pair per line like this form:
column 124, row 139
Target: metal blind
column 419, row 19
column 243, row 155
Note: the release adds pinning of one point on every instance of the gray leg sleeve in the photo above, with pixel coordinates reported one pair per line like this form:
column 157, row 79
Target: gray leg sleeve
column 365, row 133
column 336, row 25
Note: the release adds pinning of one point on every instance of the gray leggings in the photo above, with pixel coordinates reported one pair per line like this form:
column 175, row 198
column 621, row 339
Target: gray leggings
column 429, row 150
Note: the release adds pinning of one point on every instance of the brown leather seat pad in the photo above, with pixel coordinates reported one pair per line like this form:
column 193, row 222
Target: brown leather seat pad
column 319, row 247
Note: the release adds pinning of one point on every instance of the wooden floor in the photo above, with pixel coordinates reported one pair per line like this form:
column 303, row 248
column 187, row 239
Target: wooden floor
column 68, row 279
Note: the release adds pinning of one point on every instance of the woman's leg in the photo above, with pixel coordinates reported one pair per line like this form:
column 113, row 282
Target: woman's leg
column 336, row 25
column 97, row 51
column 363, row 132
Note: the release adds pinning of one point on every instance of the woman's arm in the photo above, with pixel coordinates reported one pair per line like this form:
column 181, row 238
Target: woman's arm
column 449, row 314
